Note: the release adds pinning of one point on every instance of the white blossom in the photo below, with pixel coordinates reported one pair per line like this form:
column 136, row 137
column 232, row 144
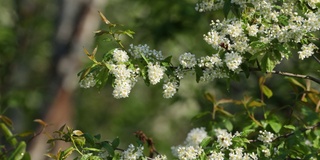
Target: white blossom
column 216, row 156
column 155, row 73
column 307, row 51
column 195, row 136
column 187, row 152
column 187, row 60
column 266, row 137
column 88, row 81
column 132, row 153
column 266, row 152
column 224, row 138
column 144, row 50
column 233, row 60
column 170, row 89
column 120, row 56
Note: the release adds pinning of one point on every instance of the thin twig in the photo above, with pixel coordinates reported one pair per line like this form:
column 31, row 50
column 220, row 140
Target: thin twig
column 296, row 75
column 316, row 58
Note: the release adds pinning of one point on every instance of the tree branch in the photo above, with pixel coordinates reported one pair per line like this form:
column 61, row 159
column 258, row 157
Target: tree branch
column 296, row 75
column 316, row 58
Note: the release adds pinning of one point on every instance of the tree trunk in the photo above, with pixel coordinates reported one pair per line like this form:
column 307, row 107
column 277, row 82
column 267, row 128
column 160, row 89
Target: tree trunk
column 76, row 23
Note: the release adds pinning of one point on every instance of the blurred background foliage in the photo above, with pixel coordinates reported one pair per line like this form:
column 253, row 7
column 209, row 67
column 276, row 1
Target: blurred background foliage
column 28, row 45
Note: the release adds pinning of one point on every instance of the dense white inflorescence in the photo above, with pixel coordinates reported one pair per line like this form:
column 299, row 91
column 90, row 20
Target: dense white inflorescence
column 263, row 30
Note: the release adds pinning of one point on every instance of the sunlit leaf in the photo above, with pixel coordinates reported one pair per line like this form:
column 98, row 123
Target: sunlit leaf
column 275, row 126
column 295, row 82
column 77, row 132
column 291, row 127
column 266, row 91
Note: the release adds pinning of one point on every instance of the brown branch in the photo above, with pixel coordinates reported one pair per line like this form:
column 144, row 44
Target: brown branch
column 296, row 75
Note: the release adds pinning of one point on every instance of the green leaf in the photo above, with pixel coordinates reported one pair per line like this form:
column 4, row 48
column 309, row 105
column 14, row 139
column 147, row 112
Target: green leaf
column 291, row 127
column 267, row 64
column 205, row 142
column 89, row 138
column 199, row 73
column 108, row 147
column 200, row 115
column 129, row 33
column 228, row 124
column 295, row 82
column 266, row 91
column 92, row 149
column 166, row 62
column 226, row 8
column 258, row 44
column 19, row 152
column 115, row 143
column 275, row 126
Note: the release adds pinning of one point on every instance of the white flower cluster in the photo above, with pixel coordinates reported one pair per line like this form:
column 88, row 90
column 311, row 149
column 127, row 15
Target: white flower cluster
column 233, row 60
column 238, row 154
column 88, row 81
column 144, row 50
column 224, row 138
column 187, row 152
column 187, row 60
column 264, row 22
column 155, row 73
column 125, row 79
column 307, row 51
column 160, row 157
column 195, row 136
column 209, row 5
column 170, row 89
column 191, row 150
column 120, row 56
column 266, row 137
column 132, row 153
column 216, row 155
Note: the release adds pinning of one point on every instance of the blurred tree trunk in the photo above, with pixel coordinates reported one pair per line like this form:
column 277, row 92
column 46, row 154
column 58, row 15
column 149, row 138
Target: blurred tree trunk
column 75, row 25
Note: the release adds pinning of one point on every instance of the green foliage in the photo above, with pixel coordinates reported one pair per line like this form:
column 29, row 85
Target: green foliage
column 12, row 149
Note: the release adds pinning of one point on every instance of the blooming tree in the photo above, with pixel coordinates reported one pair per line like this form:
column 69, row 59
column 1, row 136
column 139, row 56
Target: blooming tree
column 254, row 36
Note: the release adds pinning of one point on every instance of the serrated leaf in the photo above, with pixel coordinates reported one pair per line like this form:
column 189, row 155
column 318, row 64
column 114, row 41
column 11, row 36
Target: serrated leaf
column 266, row 91
column 276, row 127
